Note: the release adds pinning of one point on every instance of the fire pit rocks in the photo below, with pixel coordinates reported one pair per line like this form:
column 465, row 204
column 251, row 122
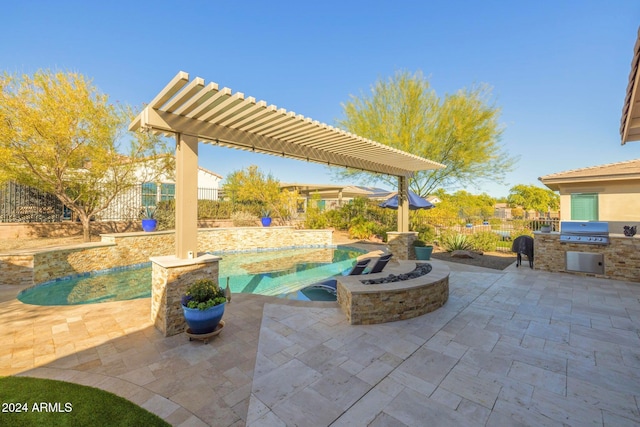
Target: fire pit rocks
column 420, row 270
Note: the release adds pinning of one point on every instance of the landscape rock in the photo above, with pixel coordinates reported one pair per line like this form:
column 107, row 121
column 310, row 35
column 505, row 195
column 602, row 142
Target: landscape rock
column 462, row 254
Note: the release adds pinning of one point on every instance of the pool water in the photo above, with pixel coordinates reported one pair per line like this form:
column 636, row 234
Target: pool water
column 273, row 272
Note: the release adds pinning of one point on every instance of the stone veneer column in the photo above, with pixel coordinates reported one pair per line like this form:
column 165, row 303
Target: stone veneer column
column 170, row 279
column 401, row 244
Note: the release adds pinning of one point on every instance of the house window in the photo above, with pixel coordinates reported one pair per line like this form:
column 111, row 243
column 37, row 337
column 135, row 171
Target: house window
column 167, row 191
column 149, row 194
column 584, row 206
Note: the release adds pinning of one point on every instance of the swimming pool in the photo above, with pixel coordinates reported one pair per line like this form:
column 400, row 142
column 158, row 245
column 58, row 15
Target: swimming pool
column 270, row 272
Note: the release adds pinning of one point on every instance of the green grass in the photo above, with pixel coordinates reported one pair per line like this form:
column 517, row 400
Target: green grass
column 66, row 404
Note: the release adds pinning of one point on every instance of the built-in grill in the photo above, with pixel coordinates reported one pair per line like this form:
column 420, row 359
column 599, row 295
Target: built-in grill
column 590, row 232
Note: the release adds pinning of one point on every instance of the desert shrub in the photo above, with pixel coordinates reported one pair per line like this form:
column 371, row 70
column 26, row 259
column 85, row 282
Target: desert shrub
column 243, row 219
column 336, row 219
column 207, row 209
column 484, row 241
column 315, row 219
column 166, row 215
column 496, row 223
column 316, row 222
column 426, row 233
column 285, row 208
column 381, row 230
column 214, row 209
column 455, row 242
column 360, row 228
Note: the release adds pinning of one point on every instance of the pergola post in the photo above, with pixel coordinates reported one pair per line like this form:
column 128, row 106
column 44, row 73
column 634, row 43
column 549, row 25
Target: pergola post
column 403, row 204
column 186, row 196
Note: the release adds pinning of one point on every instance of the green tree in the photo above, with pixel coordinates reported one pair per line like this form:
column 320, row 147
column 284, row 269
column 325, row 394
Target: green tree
column 251, row 186
column 473, row 207
column 531, row 197
column 459, row 130
column 60, row 135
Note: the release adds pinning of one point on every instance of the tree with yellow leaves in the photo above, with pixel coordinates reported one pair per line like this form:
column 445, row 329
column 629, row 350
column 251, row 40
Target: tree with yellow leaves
column 60, row 135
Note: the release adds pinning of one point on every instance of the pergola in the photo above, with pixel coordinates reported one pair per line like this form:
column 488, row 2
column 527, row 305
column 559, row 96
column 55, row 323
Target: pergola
column 194, row 111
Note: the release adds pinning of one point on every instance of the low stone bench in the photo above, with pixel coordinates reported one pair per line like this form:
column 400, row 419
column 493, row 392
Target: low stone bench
column 388, row 302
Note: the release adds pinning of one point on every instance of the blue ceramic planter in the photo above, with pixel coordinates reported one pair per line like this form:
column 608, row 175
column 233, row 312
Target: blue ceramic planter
column 203, row 321
column 266, row 221
column 149, row 224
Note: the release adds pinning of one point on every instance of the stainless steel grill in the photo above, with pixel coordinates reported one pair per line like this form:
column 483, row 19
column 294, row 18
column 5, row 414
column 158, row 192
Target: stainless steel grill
column 590, row 232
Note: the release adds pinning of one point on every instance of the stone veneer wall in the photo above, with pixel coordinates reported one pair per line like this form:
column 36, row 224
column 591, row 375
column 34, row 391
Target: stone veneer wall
column 29, row 267
column 388, row 302
column 401, row 244
column 249, row 238
column 621, row 256
column 170, row 279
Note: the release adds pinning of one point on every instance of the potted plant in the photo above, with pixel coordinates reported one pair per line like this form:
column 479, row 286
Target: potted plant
column 545, row 227
column 203, row 306
column 149, row 223
column 422, row 250
column 266, row 218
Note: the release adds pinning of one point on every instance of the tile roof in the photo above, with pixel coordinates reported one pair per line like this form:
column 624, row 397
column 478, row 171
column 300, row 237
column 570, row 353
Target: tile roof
column 611, row 171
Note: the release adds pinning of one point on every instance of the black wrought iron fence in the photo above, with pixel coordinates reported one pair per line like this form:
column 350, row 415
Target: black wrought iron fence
column 20, row 203
column 500, row 230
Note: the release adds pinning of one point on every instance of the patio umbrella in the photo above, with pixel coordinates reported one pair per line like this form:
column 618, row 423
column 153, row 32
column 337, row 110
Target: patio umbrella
column 415, row 202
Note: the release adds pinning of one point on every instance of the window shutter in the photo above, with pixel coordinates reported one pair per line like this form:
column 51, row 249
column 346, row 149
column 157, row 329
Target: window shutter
column 584, row 207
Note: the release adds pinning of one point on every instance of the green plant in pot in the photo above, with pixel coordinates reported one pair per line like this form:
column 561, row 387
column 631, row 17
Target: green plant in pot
column 149, row 223
column 423, row 251
column 203, row 306
column 265, row 218
column 545, row 227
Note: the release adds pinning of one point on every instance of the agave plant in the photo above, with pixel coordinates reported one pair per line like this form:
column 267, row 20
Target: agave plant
column 456, row 242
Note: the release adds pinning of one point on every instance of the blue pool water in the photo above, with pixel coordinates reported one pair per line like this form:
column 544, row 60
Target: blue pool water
column 273, row 272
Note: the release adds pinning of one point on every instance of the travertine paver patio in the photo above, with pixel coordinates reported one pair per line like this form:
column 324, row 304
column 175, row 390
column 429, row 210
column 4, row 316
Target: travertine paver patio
column 518, row 347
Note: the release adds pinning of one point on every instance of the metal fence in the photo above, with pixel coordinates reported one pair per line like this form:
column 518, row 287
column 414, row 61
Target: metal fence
column 19, row 203
column 22, row 204
column 208, row 194
column 503, row 230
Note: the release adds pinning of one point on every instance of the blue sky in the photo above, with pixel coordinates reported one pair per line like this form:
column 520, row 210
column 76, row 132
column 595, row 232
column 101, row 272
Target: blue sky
column 559, row 69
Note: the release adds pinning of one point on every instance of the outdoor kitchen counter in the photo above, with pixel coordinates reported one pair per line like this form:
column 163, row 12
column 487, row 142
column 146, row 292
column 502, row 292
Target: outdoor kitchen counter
column 621, row 256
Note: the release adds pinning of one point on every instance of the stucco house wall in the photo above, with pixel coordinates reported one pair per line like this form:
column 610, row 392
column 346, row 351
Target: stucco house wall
column 619, row 201
column 128, row 205
column 617, row 186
